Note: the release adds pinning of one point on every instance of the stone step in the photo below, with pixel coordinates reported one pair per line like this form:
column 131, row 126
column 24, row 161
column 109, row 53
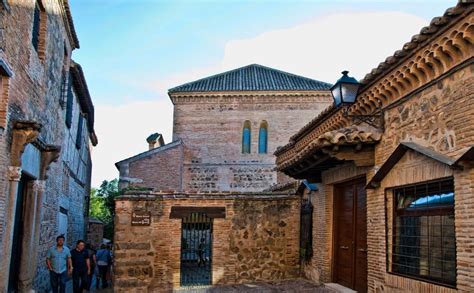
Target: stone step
column 334, row 287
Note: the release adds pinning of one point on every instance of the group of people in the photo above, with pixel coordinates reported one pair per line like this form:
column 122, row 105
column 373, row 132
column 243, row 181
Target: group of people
column 80, row 263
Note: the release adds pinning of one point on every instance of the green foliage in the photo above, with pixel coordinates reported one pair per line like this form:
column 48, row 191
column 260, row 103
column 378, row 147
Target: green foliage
column 102, row 205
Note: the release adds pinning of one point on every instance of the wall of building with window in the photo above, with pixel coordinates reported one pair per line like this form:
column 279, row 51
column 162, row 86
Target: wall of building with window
column 417, row 171
column 230, row 140
column 37, row 40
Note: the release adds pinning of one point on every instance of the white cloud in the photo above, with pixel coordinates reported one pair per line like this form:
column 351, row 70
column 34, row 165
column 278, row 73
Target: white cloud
column 319, row 49
column 122, row 132
column 322, row 48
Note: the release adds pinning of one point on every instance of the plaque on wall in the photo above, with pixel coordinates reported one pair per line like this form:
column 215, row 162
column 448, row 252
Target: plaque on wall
column 141, row 218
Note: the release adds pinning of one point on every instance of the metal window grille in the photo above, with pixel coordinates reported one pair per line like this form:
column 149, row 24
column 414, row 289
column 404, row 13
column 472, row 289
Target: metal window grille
column 306, row 231
column 424, row 243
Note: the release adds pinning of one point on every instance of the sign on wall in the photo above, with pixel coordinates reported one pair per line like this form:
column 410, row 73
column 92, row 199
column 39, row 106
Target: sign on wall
column 141, row 218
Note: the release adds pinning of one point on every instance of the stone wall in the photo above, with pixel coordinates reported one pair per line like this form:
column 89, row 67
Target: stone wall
column 211, row 129
column 439, row 118
column 95, row 233
column 257, row 241
column 35, row 92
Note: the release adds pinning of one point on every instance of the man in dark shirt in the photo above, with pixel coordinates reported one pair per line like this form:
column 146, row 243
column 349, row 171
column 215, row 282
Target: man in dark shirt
column 81, row 267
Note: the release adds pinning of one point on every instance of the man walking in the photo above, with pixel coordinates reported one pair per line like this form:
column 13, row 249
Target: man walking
column 81, row 267
column 58, row 260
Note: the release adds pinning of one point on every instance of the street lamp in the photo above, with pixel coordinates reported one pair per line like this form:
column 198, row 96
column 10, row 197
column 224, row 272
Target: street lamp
column 344, row 92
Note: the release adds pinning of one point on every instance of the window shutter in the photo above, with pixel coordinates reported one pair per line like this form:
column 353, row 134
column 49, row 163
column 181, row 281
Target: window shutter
column 36, row 26
column 79, row 131
column 69, row 104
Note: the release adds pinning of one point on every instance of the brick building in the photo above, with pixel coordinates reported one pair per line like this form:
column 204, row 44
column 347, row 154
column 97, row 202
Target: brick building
column 393, row 207
column 225, row 129
column 206, row 197
column 47, row 130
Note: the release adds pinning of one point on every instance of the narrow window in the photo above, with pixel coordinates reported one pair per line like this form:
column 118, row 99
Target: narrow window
column 64, row 79
column 69, row 103
column 424, row 242
column 79, row 131
column 39, row 29
column 3, row 102
column 5, row 74
column 246, row 137
column 36, row 26
column 263, row 137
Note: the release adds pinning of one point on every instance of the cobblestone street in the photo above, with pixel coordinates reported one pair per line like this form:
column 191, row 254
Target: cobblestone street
column 286, row 286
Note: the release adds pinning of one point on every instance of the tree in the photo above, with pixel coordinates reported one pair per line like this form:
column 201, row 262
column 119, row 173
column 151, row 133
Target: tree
column 103, row 205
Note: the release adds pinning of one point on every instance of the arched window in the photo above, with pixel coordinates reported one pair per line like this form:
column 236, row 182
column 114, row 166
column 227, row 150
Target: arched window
column 246, row 137
column 263, row 138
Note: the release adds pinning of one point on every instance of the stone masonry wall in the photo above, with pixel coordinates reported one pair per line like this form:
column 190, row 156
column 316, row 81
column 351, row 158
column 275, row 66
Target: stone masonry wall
column 439, row 117
column 35, row 93
column 257, row 241
column 211, row 129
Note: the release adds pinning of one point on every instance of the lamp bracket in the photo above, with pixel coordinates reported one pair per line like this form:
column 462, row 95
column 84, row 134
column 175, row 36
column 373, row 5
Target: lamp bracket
column 376, row 119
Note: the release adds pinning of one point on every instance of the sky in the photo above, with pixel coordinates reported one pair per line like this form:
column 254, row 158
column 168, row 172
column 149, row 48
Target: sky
column 133, row 51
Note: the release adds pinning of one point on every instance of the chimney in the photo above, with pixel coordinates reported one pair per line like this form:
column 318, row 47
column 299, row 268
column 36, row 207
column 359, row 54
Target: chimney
column 155, row 141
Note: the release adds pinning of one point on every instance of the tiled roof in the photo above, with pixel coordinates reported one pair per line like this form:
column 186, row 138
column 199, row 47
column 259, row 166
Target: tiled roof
column 253, row 77
column 426, row 35
column 341, row 137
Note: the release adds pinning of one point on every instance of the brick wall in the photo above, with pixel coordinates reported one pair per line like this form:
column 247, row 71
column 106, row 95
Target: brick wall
column 35, row 93
column 161, row 170
column 257, row 241
column 211, row 129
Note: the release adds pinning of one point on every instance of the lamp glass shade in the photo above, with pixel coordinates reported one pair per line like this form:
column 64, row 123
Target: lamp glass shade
column 349, row 92
column 345, row 90
column 336, row 94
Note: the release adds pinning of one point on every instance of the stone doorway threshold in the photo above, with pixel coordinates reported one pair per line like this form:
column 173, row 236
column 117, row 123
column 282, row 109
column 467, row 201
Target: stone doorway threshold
column 293, row 286
column 334, row 287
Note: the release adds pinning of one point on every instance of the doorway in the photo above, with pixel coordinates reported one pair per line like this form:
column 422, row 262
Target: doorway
column 196, row 250
column 17, row 240
column 350, row 235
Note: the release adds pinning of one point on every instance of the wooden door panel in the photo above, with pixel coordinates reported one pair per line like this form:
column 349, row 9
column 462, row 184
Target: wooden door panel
column 361, row 238
column 344, row 247
column 350, row 238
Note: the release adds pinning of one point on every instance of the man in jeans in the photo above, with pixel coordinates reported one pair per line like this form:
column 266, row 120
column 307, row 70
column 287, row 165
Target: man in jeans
column 81, row 267
column 58, row 260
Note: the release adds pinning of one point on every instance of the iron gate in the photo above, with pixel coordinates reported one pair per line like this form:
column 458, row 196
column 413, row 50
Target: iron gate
column 196, row 250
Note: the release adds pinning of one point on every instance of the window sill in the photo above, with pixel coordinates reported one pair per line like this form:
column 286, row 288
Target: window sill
column 420, row 279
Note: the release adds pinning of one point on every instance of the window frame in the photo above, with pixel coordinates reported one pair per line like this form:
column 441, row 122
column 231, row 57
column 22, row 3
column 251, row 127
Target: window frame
column 247, row 125
column 429, row 212
column 69, row 102
column 263, row 129
column 39, row 28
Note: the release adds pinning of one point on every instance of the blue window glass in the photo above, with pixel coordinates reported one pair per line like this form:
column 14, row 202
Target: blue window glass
column 262, row 141
column 246, row 138
column 263, row 138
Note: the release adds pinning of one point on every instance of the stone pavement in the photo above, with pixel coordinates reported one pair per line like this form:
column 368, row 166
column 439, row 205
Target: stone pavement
column 295, row 286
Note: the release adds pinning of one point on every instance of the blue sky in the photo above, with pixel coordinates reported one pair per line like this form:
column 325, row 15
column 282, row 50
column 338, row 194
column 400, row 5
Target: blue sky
column 132, row 51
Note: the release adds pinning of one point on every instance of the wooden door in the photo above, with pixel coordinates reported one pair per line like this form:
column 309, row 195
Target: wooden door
column 350, row 235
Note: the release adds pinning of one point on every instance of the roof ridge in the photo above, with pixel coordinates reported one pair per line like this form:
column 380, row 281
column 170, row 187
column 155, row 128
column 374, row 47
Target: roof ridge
column 252, row 77
column 210, row 76
column 292, row 74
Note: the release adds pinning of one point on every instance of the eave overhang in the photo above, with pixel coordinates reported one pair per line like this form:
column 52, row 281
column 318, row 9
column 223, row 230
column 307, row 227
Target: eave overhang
column 403, row 147
column 329, row 150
